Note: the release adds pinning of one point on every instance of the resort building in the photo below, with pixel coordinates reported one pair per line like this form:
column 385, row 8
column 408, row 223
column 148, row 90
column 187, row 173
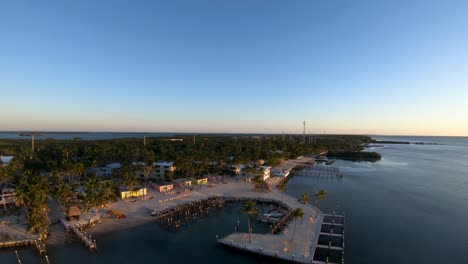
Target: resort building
column 202, row 181
column 114, row 166
column 7, row 196
column 163, row 188
column 265, row 172
column 183, row 183
column 5, row 159
column 105, row 171
column 163, row 169
column 100, row 172
column 125, row 193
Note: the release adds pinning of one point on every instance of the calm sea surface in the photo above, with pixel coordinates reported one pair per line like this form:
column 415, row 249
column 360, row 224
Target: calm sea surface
column 410, row 207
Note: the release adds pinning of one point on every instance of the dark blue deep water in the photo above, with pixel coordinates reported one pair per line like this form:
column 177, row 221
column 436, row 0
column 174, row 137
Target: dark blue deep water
column 410, row 207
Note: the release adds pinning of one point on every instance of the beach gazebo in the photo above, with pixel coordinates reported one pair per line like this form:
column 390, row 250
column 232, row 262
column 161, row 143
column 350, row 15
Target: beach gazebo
column 73, row 213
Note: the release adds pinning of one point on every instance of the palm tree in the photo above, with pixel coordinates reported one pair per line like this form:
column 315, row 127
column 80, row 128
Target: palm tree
column 296, row 214
column 108, row 191
column 148, row 169
column 64, row 193
column 282, row 187
column 92, row 191
column 5, row 179
column 250, row 209
column 305, row 198
column 130, row 180
column 80, row 170
column 22, row 198
column 320, row 195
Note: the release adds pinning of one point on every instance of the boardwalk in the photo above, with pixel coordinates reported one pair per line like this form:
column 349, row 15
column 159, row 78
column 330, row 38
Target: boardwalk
column 300, row 249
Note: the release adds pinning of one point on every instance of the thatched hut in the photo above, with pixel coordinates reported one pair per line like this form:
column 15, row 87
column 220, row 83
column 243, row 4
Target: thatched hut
column 73, row 213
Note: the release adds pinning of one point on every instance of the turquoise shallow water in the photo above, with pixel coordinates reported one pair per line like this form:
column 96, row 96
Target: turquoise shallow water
column 410, row 207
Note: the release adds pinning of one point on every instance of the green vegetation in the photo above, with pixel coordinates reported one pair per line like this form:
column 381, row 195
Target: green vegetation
column 32, row 192
column 58, row 169
column 250, row 209
column 320, row 195
column 355, row 155
column 305, row 198
column 296, row 214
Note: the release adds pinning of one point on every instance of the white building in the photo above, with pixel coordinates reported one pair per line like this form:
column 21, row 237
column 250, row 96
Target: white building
column 163, row 168
column 266, row 172
column 5, row 159
column 105, row 171
column 7, row 196
column 114, row 166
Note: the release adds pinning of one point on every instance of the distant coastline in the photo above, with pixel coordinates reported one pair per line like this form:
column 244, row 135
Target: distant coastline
column 403, row 142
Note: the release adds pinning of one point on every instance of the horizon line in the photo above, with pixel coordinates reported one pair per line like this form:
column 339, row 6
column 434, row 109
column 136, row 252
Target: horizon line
column 233, row 133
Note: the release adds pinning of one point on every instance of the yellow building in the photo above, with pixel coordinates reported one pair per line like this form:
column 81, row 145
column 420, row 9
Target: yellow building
column 202, row 181
column 134, row 193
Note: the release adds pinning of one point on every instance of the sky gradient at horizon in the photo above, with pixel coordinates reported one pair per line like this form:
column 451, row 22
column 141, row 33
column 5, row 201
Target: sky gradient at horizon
column 358, row 67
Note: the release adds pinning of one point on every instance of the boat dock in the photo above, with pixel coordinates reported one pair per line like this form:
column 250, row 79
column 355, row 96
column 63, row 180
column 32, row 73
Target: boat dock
column 86, row 239
column 36, row 243
column 297, row 245
column 322, row 171
column 330, row 247
column 77, row 231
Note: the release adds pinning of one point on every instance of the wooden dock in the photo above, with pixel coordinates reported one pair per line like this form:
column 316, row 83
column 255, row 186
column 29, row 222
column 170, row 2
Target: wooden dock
column 332, row 240
column 86, row 239
column 322, row 171
column 18, row 243
column 283, row 246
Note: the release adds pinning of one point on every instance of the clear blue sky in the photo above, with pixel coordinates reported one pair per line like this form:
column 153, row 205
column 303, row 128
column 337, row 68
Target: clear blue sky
column 375, row 67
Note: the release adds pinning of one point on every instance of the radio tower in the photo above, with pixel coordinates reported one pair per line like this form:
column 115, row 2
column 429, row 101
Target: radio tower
column 303, row 133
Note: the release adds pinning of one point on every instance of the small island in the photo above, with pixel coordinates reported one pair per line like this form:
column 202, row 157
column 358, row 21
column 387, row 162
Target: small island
column 355, row 155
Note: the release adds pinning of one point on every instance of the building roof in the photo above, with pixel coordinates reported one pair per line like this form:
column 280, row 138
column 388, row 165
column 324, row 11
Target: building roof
column 164, row 184
column 6, row 159
column 135, row 189
column 73, row 211
column 163, row 163
column 114, row 165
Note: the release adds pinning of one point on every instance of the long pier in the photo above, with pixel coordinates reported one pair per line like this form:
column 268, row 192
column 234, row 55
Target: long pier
column 331, row 245
column 322, row 171
column 297, row 245
column 35, row 243
column 86, row 239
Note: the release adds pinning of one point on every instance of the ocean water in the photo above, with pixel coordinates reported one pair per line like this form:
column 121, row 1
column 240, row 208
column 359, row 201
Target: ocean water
column 410, row 207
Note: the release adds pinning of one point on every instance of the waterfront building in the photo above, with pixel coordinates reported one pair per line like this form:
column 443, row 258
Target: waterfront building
column 163, row 188
column 265, row 172
column 183, row 183
column 126, row 193
column 163, row 168
column 202, row 181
